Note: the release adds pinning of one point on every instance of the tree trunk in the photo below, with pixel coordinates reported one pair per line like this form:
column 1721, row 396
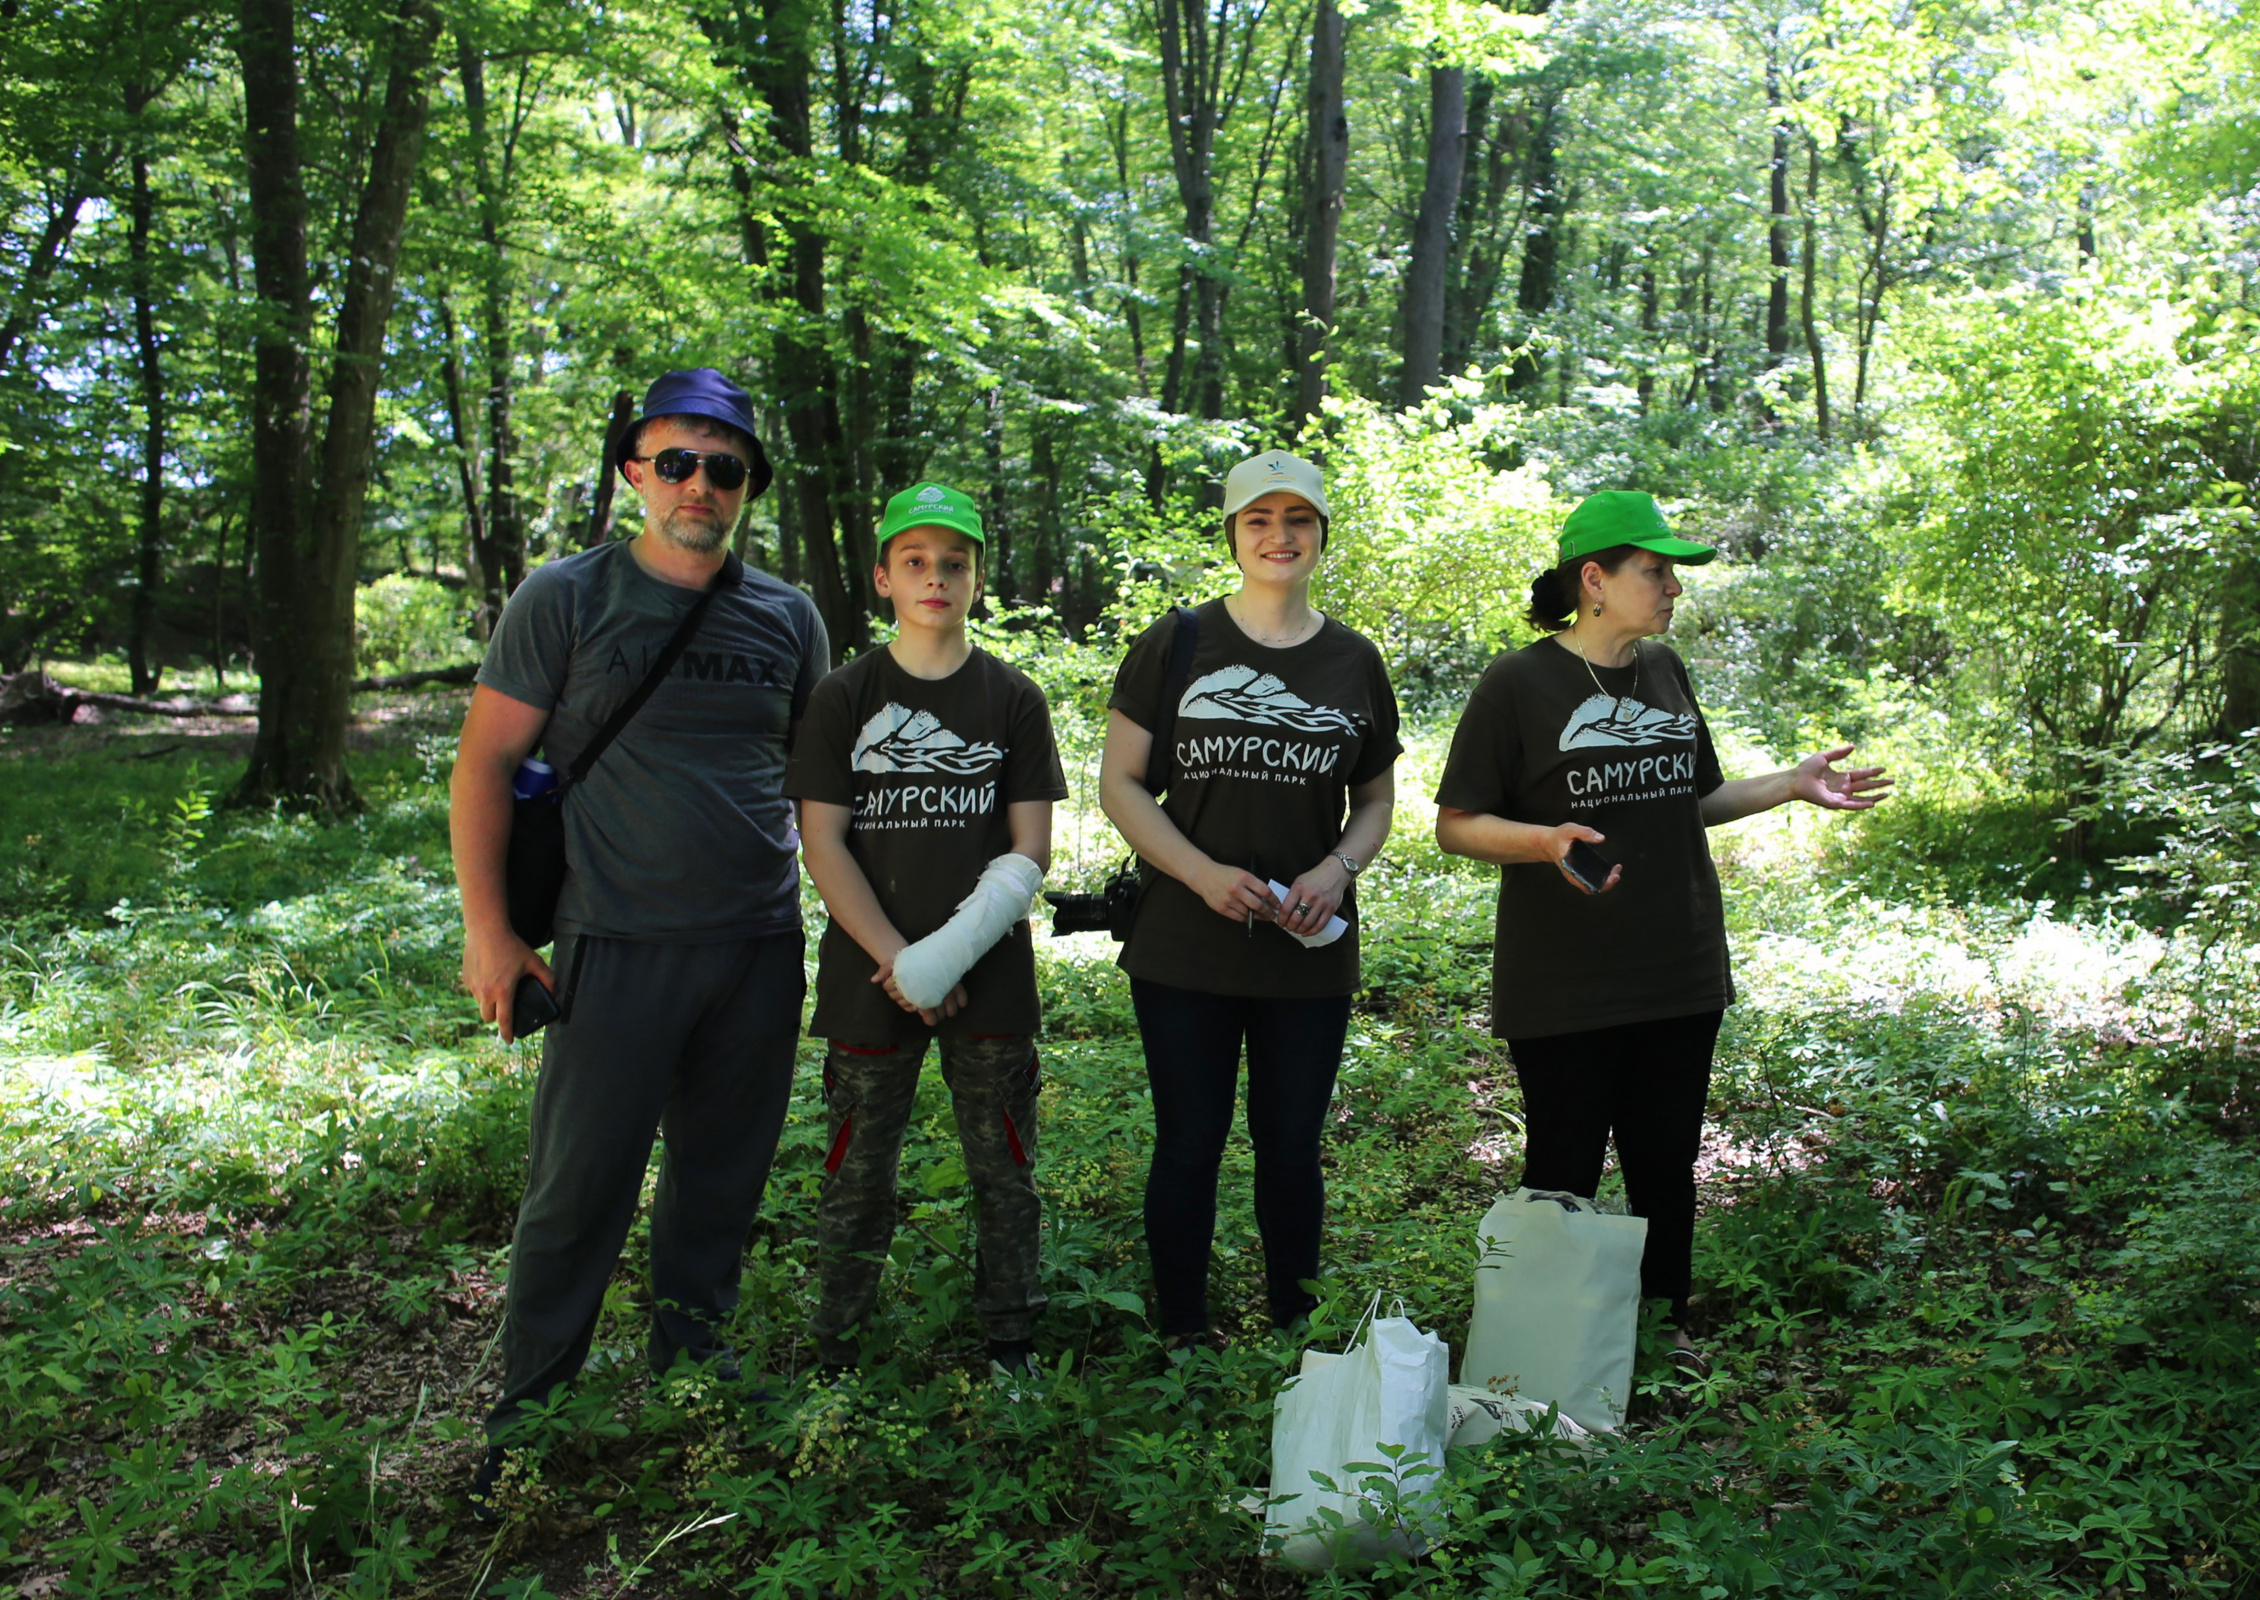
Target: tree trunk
column 997, row 518
column 1541, row 246
column 1651, row 323
column 1044, row 562
column 1806, row 313
column 2240, row 659
column 1875, row 202
column 47, row 254
column 1492, row 174
column 505, row 515
column 607, row 475
column 140, row 650
column 1430, row 270
column 1777, row 218
column 817, row 476
column 1200, row 79
column 1328, row 156
column 483, row 569
column 281, row 387
column 309, row 563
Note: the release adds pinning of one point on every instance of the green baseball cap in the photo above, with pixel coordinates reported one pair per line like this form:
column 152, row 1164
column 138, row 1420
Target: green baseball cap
column 931, row 505
column 1625, row 516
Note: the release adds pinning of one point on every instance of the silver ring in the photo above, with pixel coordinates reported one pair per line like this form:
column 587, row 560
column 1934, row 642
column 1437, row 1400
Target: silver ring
column 1301, row 906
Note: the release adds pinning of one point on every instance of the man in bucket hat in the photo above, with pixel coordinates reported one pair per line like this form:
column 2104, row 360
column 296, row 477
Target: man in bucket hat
column 677, row 966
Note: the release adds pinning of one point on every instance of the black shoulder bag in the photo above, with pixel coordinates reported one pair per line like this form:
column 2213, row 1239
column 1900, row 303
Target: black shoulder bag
column 1116, row 906
column 534, row 870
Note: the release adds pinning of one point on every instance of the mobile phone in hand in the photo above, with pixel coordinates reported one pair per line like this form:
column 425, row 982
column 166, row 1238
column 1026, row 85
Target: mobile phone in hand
column 532, row 1008
column 1587, row 865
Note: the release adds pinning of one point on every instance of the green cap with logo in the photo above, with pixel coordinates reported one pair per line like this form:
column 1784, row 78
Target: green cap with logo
column 931, row 505
column 1625, row 516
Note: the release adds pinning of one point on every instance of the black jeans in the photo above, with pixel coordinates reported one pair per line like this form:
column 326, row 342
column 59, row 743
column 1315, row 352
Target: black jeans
column 1192, row 1043
column 1645, row 1083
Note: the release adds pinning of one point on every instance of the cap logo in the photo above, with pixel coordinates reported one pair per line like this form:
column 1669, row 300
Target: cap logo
column 931, row 493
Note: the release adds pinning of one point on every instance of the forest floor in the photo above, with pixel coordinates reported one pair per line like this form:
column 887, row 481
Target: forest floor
column 1979, row 1256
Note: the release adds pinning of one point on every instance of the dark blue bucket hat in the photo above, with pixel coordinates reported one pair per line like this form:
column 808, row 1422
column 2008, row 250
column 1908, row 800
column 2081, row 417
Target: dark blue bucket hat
column 699, row 392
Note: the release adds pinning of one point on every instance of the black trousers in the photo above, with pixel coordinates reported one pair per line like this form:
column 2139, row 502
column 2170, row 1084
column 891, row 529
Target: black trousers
column 1644, row 1084
column 1192, row 1043
column 693, row 1041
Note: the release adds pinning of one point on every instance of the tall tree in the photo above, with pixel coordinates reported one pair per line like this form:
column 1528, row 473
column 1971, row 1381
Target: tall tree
column 1426, row 279
column 499, row 541
column 306, row 508
column 1326, row 158
column 771, row 50
column 1541, row 242
column 1808, row 315
column 1205, row 59
column 1777, row 211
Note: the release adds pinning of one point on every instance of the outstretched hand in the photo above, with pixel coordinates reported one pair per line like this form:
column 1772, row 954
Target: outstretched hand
column 1817, row 781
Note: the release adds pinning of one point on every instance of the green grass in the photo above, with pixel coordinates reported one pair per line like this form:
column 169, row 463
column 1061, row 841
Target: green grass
column 1980, row 1257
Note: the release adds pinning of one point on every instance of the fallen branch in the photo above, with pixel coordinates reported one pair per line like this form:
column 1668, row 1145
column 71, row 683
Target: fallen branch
column 35, row 698
column 462, row 672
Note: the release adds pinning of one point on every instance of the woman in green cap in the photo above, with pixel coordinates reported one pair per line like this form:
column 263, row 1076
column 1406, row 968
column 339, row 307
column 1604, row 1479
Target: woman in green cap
column 1583, row 767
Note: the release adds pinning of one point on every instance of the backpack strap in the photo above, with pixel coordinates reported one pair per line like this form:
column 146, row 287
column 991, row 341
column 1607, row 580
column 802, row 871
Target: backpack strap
column 732, row 573
column 1181, row 645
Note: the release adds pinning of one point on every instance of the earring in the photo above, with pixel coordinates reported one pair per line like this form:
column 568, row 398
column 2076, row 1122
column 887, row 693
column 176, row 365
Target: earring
column 1596, row 608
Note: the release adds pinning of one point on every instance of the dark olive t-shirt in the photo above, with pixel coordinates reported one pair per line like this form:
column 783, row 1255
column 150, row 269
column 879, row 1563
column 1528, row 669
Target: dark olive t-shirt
column 1542, row 742
column 1268, row 744
column 927, row 767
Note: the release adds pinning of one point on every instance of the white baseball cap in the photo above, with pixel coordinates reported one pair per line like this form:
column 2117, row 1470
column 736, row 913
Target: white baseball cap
column 1274, row 472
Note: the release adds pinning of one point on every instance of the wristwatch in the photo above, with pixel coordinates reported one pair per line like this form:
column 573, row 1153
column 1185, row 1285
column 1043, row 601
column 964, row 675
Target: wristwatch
column 1350, row 864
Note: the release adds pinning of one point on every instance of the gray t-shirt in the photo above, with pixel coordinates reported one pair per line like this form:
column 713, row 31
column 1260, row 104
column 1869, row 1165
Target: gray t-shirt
column 681, row 834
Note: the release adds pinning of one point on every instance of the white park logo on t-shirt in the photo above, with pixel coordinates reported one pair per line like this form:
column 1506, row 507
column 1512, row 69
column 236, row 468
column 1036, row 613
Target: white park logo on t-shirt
column 1245, row 695
column 1242, row 694
column 899, row 739
column 1607, row 721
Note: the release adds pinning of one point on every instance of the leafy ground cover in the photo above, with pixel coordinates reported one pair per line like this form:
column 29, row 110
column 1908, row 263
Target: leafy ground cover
column 1980, row 1243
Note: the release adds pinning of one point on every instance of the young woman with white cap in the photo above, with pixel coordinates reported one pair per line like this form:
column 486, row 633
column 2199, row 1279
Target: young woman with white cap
column 1280, row 764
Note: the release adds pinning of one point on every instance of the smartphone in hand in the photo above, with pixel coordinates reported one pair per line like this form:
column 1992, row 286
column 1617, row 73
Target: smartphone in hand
column 532, row 1008
column 1587, row 865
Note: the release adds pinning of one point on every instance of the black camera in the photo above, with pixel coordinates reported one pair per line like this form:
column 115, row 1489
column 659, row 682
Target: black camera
column 1111, row 909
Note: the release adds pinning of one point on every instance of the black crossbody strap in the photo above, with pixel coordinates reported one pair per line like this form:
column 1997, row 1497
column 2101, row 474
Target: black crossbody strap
column 1162, row 756
column 733, row 571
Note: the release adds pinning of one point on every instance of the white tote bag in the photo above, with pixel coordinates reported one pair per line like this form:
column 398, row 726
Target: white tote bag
column 1557, row 1305
column 1478, row 1416
column 1389, row 1389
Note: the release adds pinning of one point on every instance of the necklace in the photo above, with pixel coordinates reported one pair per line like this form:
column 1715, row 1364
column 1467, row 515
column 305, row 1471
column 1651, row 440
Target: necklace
column 1294, row 636
column 1596, row 677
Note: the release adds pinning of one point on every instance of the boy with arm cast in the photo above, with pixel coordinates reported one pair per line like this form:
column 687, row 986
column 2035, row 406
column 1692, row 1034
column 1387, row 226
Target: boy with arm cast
column 925, row 774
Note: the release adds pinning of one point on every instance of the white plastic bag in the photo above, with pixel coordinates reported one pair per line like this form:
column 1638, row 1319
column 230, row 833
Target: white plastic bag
column 1478, row 1416
column 1557, row 1305
column 1334, row 1418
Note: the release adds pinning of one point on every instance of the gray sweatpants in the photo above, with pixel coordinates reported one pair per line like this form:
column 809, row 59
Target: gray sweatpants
column 694, row 1041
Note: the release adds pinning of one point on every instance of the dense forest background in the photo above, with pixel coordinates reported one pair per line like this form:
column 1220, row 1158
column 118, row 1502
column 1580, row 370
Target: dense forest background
column 1938, row 317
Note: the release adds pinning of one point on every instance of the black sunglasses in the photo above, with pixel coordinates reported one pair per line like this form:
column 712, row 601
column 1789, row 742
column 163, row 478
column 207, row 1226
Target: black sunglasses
column 723, row 471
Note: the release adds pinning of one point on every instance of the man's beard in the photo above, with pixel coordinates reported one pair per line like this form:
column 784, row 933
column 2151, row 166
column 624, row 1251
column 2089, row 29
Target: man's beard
column 703, row 535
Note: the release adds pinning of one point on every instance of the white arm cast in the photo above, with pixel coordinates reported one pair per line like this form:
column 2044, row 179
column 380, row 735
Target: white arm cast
column 927, row 971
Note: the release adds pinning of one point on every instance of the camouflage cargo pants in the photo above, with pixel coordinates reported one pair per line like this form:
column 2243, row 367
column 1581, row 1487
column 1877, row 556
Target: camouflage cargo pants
column 869, row 1091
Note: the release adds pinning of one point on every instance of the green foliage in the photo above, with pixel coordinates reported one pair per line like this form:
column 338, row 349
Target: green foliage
column 2092, row 454
column 1980, row 1261
column 1433, row 547
column 404, row 623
